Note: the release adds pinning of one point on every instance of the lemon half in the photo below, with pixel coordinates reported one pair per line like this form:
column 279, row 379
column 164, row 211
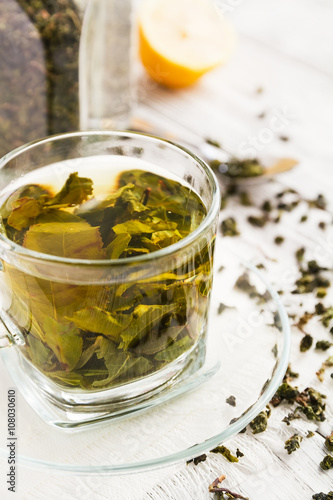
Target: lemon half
column 180, row 40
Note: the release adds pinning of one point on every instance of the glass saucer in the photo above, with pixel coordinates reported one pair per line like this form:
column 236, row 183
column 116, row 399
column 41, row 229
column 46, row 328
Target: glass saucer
column 247, row 356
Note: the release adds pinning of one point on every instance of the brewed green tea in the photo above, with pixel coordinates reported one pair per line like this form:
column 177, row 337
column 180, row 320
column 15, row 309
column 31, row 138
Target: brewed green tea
column 96, row 336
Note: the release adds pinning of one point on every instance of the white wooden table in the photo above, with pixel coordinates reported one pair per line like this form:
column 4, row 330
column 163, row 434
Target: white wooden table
column 286, row 49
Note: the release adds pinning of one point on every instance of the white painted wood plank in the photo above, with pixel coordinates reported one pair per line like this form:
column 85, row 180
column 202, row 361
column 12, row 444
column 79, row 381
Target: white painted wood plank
column 301, row 28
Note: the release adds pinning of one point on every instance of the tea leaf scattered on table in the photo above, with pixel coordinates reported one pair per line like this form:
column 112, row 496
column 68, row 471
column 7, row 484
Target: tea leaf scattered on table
column 329, row 442
column 306, row 343
column 285, row 392
column 327, row 462
column 327, row 364
column 266, row 206
column 323, row 496
column 323, row 345
column 231, row 400
column 293, row 443
column 290, row 374
column 300, row 254
column 222, row 450
column 197, row 460
column 245, row 199
column 279, row 240
column 257, row 221
column 229, row 227
column 291, row 416
column 259, row 423
column 223, row 493
column 236, row 168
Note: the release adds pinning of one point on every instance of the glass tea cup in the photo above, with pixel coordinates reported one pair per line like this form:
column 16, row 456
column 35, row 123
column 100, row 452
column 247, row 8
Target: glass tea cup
column 97, row 334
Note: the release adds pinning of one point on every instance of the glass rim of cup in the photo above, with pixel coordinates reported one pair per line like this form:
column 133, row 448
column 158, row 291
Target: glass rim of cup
column 7, row 245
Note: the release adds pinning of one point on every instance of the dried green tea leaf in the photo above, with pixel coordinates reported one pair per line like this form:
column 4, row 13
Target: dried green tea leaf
column 76, row 240
column 311, row 279
column 329, row 442
column 279, row 240
column 245, row 199
column 243, row 284
column 293, row 443
column 266, row 206
column 25, row 211
column 300, row 254
column 319, row 202
column 303, row 320
column 238, row 168
column 213, row 142
column 323, row 345
column 257, row 221
column 65, row 342
column 229, row 227
column 291, row 416
column 306, row 343
column 287, row 392
column 290, row 374
column 311, row 404
column 231, row 400
column 327, row 463
column 259, row 423
column 323, row 496
column 327, row 317
column 197, row 460
column 222, row 450
column 327, row 364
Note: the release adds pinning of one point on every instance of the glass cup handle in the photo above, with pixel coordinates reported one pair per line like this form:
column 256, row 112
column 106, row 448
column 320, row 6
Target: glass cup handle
column 10, row 335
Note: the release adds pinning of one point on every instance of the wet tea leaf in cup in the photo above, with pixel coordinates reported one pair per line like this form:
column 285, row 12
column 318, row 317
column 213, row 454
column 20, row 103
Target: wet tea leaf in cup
column 95, row 336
